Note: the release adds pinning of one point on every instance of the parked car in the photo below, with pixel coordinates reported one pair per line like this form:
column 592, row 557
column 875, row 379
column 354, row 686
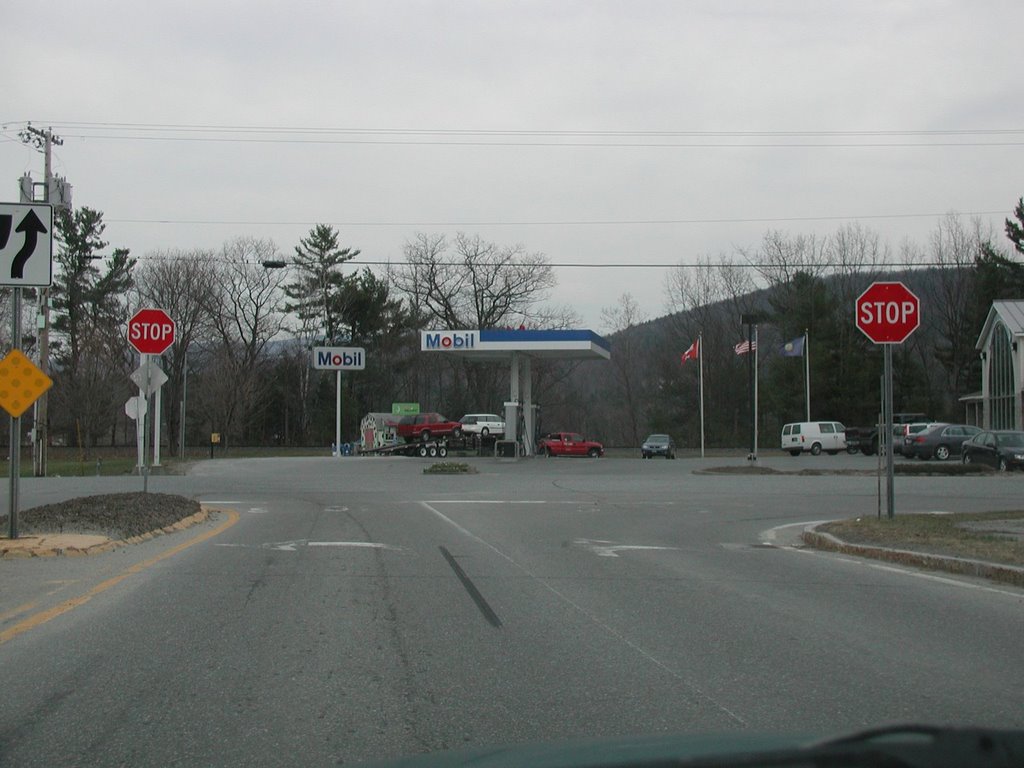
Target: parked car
column 426, row 426
column 939, row 441
column 658, row 445
column 568, row 444
column 902, row 434
column 482, row 424
column 865, row 439
column 1000, row 448
column 814, row 437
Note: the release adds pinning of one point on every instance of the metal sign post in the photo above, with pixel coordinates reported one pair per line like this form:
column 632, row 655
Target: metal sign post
column 890, row 489
column 26, row 258
column 15, row 444
column 338, row 359
column 337, row 417
column 887, row 313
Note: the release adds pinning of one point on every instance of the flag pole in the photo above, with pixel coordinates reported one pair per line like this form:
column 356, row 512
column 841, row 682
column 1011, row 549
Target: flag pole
column 700, row 385
column 754, row 350
column 807, row 374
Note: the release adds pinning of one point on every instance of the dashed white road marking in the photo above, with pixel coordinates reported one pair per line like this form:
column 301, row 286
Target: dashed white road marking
column 293, row 545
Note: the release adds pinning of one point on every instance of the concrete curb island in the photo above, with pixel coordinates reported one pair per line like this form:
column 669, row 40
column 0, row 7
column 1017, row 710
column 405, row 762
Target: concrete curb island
column 1006, row 574
column 79, row 544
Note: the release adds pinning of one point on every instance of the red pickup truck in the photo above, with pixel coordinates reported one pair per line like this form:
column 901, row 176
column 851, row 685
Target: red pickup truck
column 425, row 426
column 568, row 444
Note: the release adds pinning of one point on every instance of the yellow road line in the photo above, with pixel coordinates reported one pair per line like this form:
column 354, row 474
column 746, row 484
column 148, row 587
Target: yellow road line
column 42, row 617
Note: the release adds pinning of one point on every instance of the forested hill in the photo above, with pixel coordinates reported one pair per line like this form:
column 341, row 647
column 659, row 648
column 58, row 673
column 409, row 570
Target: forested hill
column 646, row 388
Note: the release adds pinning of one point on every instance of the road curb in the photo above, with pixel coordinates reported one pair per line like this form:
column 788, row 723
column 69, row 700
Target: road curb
column 1006, row 574
column 24, row 549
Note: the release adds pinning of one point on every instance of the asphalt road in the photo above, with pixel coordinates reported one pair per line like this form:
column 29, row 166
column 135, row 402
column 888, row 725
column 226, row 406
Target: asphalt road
column 352, row 609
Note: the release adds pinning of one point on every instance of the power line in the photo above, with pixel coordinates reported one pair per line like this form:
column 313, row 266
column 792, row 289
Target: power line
column 486, row 137
column 191, row 127
column 549, row 223
column 553, row 144
column 872, row 267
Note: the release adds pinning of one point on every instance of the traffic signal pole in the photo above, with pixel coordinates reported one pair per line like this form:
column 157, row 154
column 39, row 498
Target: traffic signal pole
column 45, row 140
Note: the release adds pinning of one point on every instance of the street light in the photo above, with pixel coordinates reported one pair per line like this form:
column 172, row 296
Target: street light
column 751, row 320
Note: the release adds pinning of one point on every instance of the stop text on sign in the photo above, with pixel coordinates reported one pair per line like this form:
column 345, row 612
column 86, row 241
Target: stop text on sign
column 339, row 358
column 151, row 331
column 888, row 312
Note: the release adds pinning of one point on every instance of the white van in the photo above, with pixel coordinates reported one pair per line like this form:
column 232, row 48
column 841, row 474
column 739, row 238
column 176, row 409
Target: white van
column 814, row 436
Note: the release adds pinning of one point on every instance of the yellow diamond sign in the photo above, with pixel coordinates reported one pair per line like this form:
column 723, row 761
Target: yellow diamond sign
column 21, row 383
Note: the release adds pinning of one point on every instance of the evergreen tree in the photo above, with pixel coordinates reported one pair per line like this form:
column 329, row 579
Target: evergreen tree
column 318, row 295
column 89, row 315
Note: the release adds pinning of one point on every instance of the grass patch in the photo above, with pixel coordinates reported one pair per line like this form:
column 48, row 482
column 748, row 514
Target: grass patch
column 959, row 535
column 449, row 468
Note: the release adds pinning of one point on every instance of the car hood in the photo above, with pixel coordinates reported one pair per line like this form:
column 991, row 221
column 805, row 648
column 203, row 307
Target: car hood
column 917, row 745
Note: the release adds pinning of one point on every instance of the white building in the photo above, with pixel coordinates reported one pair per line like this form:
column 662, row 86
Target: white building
column 1001, row 345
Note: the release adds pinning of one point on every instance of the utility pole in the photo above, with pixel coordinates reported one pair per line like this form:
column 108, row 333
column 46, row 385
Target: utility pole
column 57, row 193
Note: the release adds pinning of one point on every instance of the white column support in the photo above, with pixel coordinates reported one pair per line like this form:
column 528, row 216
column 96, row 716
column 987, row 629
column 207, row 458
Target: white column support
column 512, row 406
column 528, row 414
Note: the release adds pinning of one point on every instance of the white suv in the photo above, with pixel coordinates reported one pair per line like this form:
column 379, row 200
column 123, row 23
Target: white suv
column 482, row 424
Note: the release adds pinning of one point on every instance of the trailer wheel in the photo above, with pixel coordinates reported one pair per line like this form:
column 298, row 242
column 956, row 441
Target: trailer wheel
column 423, row 451
column 432, row 451
column 442, row 451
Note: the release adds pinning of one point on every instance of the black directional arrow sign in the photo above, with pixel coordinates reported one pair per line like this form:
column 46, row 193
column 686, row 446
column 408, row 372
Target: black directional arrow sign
column 26, row 244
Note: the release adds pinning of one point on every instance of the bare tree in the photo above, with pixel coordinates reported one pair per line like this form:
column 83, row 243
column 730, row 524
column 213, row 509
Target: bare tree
column 183, row 284
column 709, row 298
column 954, row 247
column 475, row 283
column 628, row 363
column 781, row 256
column 856, row 256
column 245, row 315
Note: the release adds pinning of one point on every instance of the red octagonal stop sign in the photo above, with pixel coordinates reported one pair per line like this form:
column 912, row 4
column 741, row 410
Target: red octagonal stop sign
column 151, row 331
column 887, row 313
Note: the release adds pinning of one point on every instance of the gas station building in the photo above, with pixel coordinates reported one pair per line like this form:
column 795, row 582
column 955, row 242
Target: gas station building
column 518, row 349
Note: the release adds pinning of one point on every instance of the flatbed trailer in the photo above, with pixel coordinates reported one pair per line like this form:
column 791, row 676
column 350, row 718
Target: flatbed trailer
column 434, row 449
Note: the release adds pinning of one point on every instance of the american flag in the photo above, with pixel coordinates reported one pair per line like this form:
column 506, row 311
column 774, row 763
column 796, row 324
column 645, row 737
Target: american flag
column 744, row 347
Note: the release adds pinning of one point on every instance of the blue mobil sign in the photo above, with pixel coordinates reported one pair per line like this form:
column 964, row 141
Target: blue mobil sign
column 494, row 342
column 339, row 358
column 443, row 341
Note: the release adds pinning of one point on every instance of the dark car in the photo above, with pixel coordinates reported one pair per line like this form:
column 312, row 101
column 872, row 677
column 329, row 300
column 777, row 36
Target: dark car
column 939, row 441
column 658, row 445
column 1000, row 448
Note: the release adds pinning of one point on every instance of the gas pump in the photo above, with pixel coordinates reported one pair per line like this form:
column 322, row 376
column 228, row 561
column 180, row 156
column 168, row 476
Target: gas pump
column 513, row 420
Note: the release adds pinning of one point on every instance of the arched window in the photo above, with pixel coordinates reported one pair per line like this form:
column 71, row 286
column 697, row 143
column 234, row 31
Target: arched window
column 1002, row 394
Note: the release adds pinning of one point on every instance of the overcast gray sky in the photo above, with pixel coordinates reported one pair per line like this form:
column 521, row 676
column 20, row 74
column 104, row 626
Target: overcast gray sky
column 568, row 127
